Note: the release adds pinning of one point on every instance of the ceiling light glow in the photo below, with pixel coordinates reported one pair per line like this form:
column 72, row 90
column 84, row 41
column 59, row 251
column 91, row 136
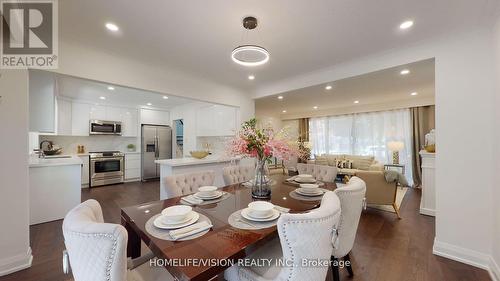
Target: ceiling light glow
column 102, row 98
column 356, row 101
column 284, row 111
column 111, row 26
column 405, row 72
column 251, row 77
column 406, row 24
column 414, row 94
column 150, row 104
column 280, row 97
column 315, row 107
column 328, row 87
column 165, row 97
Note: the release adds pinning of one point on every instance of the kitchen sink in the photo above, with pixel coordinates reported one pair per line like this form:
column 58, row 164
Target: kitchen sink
column 57, row 156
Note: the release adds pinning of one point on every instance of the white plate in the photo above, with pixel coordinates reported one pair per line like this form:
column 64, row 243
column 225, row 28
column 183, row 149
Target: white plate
column 246, row 214
column 160, row 224
column 305, row 193
column 215, row 196
column 305, row 180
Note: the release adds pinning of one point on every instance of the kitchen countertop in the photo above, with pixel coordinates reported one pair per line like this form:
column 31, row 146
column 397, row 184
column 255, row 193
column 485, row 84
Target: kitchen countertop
column 35, row 162
column 186, row 161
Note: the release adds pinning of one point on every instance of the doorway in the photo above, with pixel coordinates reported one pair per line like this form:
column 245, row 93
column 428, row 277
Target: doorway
column 179, row 138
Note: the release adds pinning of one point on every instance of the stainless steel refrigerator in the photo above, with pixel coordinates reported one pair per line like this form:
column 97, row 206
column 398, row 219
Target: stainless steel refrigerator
column 156, row 142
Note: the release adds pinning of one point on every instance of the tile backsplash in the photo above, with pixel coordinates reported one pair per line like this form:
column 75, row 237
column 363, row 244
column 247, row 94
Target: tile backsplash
column 217, row 144
column 92, row 143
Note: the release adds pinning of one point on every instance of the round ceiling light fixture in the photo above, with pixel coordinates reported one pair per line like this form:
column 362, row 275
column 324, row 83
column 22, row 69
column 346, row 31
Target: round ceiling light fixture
column 250, row 54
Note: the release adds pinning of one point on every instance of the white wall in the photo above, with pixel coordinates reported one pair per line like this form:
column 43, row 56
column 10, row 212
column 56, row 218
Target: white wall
column 464, row 124
column 15, row 251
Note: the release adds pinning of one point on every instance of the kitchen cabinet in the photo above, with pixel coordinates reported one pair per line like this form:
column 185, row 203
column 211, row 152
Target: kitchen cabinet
column 98, row 112
column 80, row 116
column 64, row 117
column 132, row 166
column 155, row 117
column 85, row 170
column 129, row 122
column 42, row 103
column 216, row 120
column 114, row 114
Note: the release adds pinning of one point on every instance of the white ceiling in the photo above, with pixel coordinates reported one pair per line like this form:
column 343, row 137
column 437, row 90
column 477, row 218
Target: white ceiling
column 198, row 36
column 91, row 91
column 386, row 86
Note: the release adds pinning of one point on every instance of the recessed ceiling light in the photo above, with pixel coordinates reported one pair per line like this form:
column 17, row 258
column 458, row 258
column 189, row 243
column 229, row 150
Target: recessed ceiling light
column 328, row 87
column 414, row 94
column 404, row 72
column 102, row 98
column 356, row 101
column 315, row 107
column 149, row 103
column 111, row 26
column 284, row 111
column 406, row 24
column 165, row 97
column 280, row 97
column 251, row 77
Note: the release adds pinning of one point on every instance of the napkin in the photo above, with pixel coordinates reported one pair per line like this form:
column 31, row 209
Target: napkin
column 291, row 179
column 190, row 199
column 189, row 230
column 281, row 209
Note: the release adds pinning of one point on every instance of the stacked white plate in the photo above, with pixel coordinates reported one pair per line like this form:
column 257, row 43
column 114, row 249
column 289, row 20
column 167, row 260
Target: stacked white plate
column 260, row 211
column 309, row 190
column 305, row 178
column 208, row 193
column 176, row 217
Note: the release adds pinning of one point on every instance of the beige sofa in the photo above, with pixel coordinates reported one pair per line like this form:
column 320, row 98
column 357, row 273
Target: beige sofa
column 364, row 163
column 378, row 190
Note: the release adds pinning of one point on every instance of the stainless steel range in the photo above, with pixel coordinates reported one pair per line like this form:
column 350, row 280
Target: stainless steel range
column 106, row 167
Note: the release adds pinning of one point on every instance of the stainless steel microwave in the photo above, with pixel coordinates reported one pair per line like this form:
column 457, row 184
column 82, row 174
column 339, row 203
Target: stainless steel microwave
column 100, row 127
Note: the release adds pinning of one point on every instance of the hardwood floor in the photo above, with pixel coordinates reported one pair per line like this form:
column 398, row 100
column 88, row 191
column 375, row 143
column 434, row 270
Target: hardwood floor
column 386, row 248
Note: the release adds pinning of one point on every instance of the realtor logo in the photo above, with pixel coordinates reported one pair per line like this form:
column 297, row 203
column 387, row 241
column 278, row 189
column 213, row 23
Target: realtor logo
column 29, row 34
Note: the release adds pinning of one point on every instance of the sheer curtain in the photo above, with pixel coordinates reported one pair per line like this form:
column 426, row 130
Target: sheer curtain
column 364, row 134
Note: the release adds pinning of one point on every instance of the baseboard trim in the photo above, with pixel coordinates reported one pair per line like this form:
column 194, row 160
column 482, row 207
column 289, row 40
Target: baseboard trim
column 16, row 263
column 494, row 270
column 462, row 255
column 427, row 212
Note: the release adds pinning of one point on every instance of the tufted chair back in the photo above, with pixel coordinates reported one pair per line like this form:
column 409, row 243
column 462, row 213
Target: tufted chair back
column 237, row 174
column 182, row 184
column 351, row 197
column 319, row 172
column 97, row 250
column 308, row 236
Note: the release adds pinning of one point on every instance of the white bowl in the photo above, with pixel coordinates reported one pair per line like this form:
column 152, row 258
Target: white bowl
column 308, row 187
column 304, row 176
column 207, row 190
column 261, row 208
column 176, row 213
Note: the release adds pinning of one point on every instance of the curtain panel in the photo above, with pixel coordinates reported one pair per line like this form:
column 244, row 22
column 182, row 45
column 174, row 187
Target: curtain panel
column 364, row 134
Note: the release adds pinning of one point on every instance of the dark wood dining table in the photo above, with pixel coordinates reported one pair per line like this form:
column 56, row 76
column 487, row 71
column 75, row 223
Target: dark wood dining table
column 222, row 242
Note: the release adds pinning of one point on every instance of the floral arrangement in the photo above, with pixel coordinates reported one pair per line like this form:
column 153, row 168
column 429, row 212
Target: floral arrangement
column 261, row 143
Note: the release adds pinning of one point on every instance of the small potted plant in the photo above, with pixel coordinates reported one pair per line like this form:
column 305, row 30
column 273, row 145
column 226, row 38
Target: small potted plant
column 131, row 147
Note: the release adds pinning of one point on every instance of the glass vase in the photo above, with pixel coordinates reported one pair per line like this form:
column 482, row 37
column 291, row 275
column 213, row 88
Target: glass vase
column 262, row 183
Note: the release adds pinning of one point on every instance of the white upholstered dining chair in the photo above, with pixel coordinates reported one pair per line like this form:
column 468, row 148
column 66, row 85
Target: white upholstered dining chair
column 319, row 172
column 306, row 236
column 98, row 251
column 237, row 174
column 352, row 197
column 182, row 184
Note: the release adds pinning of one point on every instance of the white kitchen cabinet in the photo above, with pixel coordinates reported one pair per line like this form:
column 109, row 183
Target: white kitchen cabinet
column 216, row 120
column 97, row 112
column 42, row 103
column 155, row 117
column 80, row 119
column 113, row 113
column 64, row 117
column 85, row 170
column 132, row 166
column 130, row 122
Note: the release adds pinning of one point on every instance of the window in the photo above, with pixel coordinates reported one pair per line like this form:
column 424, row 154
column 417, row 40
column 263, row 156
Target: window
column 363, row 134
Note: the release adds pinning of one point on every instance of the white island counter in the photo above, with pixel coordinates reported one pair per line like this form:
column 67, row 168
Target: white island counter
column 192, row 165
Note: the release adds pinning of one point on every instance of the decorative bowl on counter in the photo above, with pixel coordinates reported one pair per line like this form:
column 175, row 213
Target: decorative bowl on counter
column 199, row 154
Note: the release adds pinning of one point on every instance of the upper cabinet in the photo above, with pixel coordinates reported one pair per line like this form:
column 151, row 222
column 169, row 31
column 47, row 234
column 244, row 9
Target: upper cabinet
column 64, row 117
column 130, row 122
column 80, row 121
column 216, row 120
column 42, row 92
column 155, row 117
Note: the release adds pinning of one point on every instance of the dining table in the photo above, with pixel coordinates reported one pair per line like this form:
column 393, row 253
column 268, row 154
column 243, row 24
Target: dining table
column 208, row 256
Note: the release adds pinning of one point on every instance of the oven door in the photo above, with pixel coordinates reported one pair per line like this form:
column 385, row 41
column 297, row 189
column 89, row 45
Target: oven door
column 101, row 168
column 102, row 128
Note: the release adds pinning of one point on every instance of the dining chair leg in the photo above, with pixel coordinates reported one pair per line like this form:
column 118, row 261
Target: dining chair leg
column 347, row 261
column 334, row 264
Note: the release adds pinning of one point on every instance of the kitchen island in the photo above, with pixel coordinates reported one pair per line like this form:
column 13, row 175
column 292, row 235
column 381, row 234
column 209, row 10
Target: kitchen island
column 186, row 165
column 54, row 187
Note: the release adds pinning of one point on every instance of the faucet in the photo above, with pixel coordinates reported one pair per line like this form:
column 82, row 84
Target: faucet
column 48, row 146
